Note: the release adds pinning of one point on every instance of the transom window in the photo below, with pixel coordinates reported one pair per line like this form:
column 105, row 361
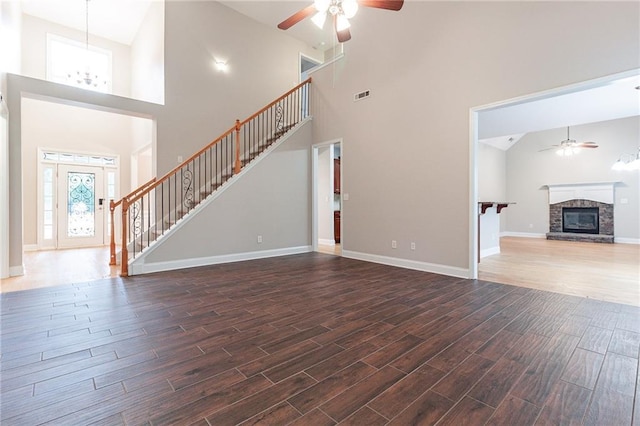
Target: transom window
column 73, row 158
column 76, row 64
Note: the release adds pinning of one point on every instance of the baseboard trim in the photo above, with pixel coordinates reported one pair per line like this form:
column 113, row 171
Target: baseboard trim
column 16, row 271
column 523, row 234
column 489, row 252
column 409, row 264
column 325, row 242
column 172, row 265
column 31, row 247
column 623, row 240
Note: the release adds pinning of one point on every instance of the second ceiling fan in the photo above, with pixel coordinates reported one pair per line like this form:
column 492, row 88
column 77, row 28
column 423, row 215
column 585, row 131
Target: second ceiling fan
column 340, row 11
column 570, row 146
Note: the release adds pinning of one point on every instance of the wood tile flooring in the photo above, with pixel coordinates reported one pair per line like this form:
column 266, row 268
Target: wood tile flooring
column 314, row 339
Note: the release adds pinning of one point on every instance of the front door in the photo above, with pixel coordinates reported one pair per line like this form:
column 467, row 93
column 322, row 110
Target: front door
column 81, row 206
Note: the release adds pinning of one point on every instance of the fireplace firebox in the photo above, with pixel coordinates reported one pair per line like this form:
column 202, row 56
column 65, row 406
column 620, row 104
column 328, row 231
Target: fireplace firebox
column 581, row 220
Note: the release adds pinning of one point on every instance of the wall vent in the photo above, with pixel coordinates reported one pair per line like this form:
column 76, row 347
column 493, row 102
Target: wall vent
column 361, row 95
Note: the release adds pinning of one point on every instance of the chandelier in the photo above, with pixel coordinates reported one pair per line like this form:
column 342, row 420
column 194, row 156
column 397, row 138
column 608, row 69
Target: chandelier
column 627, row 162
column 84, row 77
column 342, row 10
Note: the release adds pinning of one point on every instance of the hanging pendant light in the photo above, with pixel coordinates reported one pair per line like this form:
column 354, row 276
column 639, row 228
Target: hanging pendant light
column 84, row 77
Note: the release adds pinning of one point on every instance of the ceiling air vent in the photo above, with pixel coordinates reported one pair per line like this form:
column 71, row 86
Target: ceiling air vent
column 362, row 95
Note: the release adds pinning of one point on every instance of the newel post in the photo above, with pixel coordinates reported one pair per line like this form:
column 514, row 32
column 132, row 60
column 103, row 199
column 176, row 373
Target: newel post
column 124, row 262
column 112, row 243
column 238, row 164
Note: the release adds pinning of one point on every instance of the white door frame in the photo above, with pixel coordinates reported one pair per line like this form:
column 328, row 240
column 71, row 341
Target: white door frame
column 53, row 243
column 314, row 190
column 4, row 190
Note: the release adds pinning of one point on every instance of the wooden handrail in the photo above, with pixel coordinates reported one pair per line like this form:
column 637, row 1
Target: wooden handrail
column 178, row 167
column 275, row 102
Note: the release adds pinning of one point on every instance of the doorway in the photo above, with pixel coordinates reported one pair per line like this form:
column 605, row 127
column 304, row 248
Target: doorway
column 504, row 123
column 327, row 198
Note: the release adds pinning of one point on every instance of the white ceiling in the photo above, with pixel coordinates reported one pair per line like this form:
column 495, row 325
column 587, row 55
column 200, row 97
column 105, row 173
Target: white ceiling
column 586, row 103
column 116, row 20
column 271, row 13
column 598, row 101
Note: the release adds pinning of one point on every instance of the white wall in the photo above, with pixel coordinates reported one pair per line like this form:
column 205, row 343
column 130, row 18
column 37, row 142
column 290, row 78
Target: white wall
column 528, row 171
column 492, row 173
column 65, row 127
column 492, row 186
column 34, row 51
column 407, row 150
column 147, row 57
column 10, row 31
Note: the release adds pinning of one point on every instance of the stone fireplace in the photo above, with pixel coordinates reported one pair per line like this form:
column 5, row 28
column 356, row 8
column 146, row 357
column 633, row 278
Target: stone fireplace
column 581, row 212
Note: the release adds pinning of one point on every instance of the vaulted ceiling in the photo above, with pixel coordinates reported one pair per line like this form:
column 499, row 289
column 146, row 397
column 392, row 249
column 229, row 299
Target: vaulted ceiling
column 119, row 20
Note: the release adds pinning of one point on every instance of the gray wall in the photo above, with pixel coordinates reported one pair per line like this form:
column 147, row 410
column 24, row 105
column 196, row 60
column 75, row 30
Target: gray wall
column 272, row 199
column 528, row 170
column 407, row 150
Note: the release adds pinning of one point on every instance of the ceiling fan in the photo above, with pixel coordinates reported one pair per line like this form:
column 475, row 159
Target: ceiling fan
column 340, row 12
column 569, row 146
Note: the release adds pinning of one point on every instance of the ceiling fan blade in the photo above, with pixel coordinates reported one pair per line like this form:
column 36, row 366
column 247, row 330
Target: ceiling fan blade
column 587, row 145
column 382, row 4
column 297, row 17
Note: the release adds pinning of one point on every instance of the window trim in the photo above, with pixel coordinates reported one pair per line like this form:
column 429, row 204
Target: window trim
column 51, row 38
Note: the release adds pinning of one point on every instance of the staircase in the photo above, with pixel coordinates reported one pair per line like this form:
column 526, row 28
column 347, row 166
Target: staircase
column 154, row 209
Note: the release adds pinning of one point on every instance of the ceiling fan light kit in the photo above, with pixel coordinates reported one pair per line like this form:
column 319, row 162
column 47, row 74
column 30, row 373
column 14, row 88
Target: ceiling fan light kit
column 340, row 10
column 569, row 147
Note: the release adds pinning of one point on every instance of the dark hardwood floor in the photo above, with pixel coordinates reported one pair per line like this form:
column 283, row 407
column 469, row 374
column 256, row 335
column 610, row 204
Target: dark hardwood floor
column 314, row 339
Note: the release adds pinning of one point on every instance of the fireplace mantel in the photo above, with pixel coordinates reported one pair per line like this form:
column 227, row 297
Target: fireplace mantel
column 601, row 192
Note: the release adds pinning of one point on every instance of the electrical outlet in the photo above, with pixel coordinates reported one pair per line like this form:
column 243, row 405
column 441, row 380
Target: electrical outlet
column 394, row 244
column 413, row 245
column 259, row 239
column 179, row 159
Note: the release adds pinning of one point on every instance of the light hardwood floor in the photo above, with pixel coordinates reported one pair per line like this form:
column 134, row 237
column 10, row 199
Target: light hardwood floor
column 599, row 271
column 55, row 267
column 608, row 272
column 334, row 249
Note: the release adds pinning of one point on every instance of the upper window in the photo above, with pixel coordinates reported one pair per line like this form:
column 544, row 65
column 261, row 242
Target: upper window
column 76, row 64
